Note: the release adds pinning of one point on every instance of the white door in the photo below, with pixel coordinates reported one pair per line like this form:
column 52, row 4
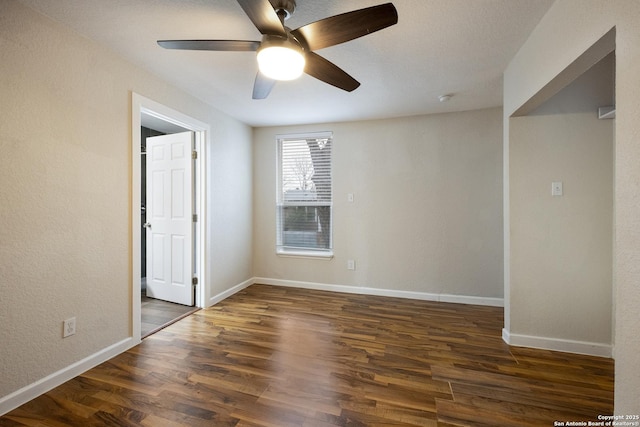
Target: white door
column 170, row 218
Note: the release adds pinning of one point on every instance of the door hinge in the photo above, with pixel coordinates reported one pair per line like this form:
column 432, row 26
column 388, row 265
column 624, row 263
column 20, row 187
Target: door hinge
column 194, row 154
column 195, row 217
column 194, row 281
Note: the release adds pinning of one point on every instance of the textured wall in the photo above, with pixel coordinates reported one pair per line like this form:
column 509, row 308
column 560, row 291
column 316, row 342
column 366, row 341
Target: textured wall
column 427, row 213
column 230, row 206
column 65, row 185
column 569, row 29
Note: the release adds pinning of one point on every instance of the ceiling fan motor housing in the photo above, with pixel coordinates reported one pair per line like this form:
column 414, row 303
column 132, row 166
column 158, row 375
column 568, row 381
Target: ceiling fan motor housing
column 286, row 6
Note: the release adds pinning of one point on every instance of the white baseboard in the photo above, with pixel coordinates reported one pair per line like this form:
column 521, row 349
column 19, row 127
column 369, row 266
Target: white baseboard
column 226, row 294
column 459, row 299
column 31, row 391
column 556, row 344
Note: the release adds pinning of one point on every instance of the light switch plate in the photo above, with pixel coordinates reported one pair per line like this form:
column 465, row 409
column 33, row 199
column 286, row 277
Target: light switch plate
column 556, row 188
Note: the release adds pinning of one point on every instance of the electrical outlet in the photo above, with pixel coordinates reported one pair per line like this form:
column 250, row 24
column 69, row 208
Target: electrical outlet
column 556, row 188
column 69, row 327
column 351, row 264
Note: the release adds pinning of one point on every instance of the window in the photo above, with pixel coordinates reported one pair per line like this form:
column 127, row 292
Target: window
column 304, row 213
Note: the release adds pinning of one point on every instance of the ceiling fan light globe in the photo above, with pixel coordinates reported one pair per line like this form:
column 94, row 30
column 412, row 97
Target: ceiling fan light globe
column 281, row 63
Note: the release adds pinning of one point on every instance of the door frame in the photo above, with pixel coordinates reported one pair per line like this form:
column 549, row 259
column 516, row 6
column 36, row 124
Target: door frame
column 142, row 108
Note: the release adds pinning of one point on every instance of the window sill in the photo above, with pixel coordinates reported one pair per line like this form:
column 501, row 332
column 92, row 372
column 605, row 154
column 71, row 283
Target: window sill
column 305, row 254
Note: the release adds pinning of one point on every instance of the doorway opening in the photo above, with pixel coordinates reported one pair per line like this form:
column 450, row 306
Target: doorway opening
column 560, row 200
column 151, row 119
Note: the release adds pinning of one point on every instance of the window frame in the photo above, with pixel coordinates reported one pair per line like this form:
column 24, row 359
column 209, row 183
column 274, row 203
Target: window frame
column 292, row 251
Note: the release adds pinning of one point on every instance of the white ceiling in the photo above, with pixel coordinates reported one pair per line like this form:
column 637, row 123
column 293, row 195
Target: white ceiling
column 458, row 47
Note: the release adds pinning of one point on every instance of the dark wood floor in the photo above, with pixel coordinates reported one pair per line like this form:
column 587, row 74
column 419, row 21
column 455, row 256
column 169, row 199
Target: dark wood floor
column 157, row 314
column 279, row 357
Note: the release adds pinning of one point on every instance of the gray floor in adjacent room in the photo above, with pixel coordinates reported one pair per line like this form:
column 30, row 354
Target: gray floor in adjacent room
column 157, row 314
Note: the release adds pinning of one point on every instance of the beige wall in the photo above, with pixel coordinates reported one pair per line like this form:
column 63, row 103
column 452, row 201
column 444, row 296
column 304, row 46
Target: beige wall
column 65, row 189
column 561, row 247
column 569, row 29
column 427, row 213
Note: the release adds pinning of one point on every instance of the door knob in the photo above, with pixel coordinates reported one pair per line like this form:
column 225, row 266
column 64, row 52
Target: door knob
column 147, row 225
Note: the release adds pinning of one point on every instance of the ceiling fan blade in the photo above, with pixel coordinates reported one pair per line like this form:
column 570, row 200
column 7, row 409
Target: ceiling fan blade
column 262, row 86
column 318, row 67
column 347, row 26
column 220, row 45
column 263, row 16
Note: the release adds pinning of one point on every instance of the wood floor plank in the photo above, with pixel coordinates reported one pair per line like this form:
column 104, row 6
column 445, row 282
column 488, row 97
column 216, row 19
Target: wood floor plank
column 273, row 356
column 471, row 415
column 544, row 409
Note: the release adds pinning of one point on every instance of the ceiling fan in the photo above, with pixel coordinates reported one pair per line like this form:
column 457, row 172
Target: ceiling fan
column 284, row 54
